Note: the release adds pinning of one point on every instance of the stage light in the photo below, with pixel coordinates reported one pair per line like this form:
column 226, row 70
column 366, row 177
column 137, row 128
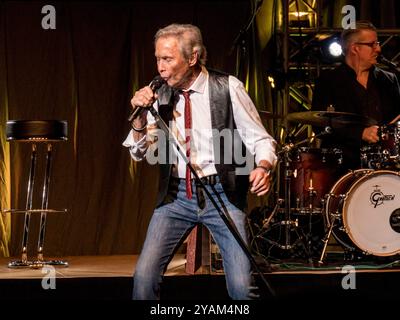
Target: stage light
column 276, row 78
column 335, row 49
column 302, row 14
column 298, row 14
column 331, row 50
column 271, row 81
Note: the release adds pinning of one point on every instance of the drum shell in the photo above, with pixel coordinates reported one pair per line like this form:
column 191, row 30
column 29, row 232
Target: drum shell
column 314, row 173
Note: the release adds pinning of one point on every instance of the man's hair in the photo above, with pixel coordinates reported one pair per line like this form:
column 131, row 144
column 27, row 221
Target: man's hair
column 189, row 37
column 349, row 35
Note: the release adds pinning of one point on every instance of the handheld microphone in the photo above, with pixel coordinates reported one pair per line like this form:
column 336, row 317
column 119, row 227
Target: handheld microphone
column 154, row 85
column 387, row 62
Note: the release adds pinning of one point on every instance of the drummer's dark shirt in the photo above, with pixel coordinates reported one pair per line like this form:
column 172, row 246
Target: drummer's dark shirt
column 339, row 88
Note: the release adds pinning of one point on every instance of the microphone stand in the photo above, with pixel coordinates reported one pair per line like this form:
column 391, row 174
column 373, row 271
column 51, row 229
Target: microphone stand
column 224, row 215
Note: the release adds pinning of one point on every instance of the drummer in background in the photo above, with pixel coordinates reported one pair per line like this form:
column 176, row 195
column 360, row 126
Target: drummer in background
column 358, row 86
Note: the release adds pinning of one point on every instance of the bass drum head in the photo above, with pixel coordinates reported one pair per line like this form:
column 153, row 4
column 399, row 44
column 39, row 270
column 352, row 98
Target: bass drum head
column 371, row 213
column 334, row 206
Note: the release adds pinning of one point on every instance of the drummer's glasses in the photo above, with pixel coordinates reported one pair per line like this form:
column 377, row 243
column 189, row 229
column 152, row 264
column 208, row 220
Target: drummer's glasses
column 372, row 44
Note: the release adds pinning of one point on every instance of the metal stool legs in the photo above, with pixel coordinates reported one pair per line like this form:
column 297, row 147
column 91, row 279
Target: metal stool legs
column 39, row 262
column 45, row 202
column 24, row 256
column 43, row 217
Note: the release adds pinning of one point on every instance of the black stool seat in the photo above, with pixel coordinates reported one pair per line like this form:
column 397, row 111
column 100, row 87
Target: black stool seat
column 36, row 130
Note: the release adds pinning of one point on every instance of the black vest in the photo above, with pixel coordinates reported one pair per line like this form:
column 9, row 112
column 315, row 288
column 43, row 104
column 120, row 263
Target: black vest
column 234, row 185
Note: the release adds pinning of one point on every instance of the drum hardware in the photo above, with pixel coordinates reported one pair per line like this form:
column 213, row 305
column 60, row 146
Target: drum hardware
column 294, row 223
column 287, row 247
column 266, row 222
column 276, row 244
column 311, row 193
column 330, row 223
column 295, row 227
column 287, row 222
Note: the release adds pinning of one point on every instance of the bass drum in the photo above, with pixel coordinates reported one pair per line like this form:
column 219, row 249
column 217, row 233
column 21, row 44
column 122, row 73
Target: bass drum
column 364, row 206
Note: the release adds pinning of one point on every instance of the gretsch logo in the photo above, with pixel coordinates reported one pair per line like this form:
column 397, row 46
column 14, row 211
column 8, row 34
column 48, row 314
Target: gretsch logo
column 377, row 197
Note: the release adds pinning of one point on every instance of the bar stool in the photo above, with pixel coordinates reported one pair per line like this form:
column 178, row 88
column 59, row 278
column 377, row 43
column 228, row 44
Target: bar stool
column 35, row 132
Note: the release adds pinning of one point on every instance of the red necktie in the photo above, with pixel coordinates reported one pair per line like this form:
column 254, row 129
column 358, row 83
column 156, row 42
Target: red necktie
column 188, row 126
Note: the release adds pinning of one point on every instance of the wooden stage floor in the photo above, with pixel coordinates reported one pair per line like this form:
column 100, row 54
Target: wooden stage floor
column 110, row 277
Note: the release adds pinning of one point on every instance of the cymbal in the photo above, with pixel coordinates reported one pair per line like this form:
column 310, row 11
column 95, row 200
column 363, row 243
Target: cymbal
column 330, row 118
column 269, row 115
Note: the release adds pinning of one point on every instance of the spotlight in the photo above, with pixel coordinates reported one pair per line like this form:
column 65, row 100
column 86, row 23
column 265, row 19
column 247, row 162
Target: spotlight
column 331, row 50
column 335, row 49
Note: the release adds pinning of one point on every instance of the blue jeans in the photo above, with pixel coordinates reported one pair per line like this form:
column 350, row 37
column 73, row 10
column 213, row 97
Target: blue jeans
column 168, row 227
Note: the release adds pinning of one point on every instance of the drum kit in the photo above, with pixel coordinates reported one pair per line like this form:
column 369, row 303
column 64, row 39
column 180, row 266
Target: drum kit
column 317, row 198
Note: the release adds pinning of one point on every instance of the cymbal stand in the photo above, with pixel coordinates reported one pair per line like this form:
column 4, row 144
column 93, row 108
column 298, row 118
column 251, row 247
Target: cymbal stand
column 311, row 195
column 288, row 174
column 288, row 222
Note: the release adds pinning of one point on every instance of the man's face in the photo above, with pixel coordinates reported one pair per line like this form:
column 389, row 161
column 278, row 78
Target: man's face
column 171, row 64
column 367, row 47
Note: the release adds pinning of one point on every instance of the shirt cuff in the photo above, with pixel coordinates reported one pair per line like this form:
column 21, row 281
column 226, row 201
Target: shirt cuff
column 268, row 155
column 137, row 149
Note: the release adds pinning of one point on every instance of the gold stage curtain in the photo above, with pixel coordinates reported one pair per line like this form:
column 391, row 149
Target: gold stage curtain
column 5, row 220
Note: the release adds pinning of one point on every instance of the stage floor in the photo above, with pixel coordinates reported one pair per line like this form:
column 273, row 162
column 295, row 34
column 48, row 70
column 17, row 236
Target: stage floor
column 89, row 266
column 110, row 277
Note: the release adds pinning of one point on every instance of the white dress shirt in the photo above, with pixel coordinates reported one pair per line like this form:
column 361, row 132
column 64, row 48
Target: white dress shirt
column 248, row 122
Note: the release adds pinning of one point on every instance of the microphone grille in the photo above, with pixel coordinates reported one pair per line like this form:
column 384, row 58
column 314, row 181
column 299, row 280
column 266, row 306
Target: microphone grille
column 156, row 83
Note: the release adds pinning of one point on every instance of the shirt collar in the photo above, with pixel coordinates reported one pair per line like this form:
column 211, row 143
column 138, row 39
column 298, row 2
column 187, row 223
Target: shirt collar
column 199, row 84
column 351, row 71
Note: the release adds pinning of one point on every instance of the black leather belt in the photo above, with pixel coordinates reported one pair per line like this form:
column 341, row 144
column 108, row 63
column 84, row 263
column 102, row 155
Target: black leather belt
column 209, row 180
